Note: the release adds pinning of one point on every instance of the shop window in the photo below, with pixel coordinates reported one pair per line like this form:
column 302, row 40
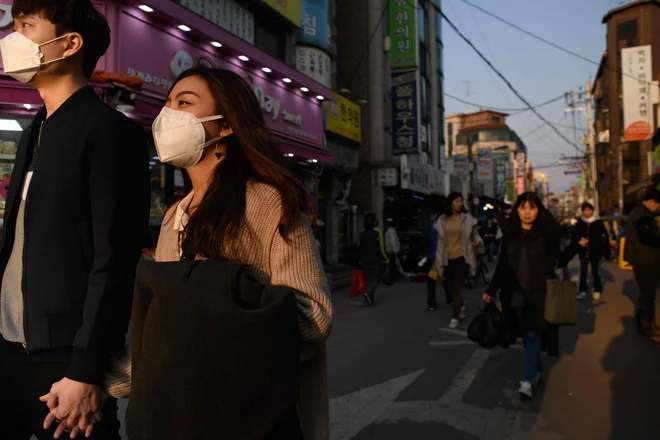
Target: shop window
column 11, row 130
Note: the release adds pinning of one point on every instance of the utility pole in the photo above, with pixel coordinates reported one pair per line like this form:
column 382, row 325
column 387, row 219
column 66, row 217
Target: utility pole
column 592, row 148
column 472, row 186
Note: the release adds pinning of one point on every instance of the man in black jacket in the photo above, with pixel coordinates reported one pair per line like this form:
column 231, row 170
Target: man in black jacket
column 642, row 251
column 592, row 228
column 76, row 214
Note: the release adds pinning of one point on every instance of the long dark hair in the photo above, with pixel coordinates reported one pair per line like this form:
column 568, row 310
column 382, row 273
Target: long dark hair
column 370, row 220
column 450, row 201
column 252, row 156
column 544, row 223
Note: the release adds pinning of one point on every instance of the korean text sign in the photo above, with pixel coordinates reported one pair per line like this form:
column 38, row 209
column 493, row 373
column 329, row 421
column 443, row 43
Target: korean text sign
column 403, row 33
column 405, row 113
column 637, row 105
column 315, row 29
column 290, row 9
column 344, row 118
column 500, row 161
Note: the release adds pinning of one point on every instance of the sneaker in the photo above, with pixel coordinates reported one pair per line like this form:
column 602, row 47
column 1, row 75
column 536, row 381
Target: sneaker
column 368, row 300
column 462, row 315
column 453, row 324
column 432, row 309
column 526, row 391
column 582, row 296
column 596, row 296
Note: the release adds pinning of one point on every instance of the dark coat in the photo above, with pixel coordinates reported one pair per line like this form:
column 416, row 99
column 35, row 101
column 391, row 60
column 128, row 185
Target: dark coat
column 86, row 219
column 215, row 355
column 643, row 238
column 372, row 250
column 599, row 242
column 543, row 256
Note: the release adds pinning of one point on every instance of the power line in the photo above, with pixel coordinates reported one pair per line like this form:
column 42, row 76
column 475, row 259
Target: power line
column 525, row 109
column 550, row 43
column 506, row 81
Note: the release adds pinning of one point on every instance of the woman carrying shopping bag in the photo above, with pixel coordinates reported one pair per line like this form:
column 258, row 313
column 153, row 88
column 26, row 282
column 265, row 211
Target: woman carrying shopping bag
column 529, row 255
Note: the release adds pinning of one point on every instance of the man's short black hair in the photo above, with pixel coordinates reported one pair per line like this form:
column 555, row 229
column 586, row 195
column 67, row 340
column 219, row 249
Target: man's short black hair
column 72, row 16
column 651, row 194
column 587, row 205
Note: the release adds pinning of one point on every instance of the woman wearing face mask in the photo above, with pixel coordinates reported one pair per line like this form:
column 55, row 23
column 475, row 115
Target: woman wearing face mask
column 455, row 253
column 246, row 207
column 529, row 254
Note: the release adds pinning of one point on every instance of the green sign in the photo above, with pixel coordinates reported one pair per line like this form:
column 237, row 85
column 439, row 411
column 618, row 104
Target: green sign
column 403, row 34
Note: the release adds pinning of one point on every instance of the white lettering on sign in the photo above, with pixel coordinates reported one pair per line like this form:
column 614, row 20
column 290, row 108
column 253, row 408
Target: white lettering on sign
column 6, row 19
column 149, row 79
column 268, row 104
column 290, row 117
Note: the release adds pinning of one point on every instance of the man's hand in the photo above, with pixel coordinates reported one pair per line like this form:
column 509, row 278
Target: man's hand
column 74, row 405
column 584, row 242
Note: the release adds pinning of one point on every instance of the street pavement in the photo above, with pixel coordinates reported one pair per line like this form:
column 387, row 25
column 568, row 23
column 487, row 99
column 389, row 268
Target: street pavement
column 397, row 372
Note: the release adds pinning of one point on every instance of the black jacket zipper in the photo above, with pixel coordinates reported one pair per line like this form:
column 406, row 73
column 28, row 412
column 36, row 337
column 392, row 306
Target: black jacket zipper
column 25, row 239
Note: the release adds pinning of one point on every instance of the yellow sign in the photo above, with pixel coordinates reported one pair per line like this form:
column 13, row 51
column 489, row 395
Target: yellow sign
column 290, row 9
column 345, row 118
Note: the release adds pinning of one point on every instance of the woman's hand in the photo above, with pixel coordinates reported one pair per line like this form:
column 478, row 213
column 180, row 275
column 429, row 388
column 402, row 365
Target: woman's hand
column 488, row 298
column 584, row 242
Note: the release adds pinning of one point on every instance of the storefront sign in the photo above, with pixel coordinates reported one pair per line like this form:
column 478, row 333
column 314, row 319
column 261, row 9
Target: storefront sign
column 387, row 177
column 520, row 164
column 315, row 64
column 484, row 165
column 511, row 181
column 287, row 114
column 436, row 180
column 227, row 14
column 500, row 161
column 414, row 177
column 637, row 103
column 403, row 33
column 405, row 113
column 461, row 166
column 344, row 118
column 289, row 9
column 315, row 30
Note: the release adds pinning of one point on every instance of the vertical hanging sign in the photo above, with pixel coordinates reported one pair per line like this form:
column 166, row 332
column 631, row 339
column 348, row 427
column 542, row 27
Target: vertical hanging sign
column 403, row 34
column 405, row 113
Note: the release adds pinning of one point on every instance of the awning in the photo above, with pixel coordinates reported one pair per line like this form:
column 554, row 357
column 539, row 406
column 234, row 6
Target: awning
column 299, row 150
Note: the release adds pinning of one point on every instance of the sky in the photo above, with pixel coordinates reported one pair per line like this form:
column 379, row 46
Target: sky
column 538, row 71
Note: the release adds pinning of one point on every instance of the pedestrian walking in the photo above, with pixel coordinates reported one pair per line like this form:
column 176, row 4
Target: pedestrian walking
column 456, row 252
column 75, row 224
column 393, row 250
column 489, row 235
column 528, row 258
column 430, row 245
column 591, row 227
column 642, row 251
column 372, row 256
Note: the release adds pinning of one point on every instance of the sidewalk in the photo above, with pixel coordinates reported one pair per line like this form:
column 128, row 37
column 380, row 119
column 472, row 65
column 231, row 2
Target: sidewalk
column 397, row 372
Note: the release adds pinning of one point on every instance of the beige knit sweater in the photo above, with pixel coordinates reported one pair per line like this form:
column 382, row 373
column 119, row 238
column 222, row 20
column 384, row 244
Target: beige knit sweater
column 297, row 265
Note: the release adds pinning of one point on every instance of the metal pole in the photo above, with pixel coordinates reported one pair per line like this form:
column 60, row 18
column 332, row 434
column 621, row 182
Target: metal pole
column 592, row 149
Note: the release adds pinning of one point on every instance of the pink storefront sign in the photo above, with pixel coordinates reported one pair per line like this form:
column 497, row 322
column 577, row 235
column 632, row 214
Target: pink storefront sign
column 158, row 56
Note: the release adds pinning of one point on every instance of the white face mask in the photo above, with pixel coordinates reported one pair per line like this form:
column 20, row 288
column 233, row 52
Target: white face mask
column 180, row 138
column 21, row 57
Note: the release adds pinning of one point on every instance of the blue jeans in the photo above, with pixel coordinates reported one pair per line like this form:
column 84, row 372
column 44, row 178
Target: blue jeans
column 532, row 342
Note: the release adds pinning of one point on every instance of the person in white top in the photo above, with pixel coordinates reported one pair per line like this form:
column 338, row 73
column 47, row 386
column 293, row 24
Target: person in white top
column 393, row 249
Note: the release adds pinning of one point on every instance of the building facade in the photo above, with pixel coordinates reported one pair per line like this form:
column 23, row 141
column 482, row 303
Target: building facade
column 498, row 156
column 623, row 100
column 389, row 57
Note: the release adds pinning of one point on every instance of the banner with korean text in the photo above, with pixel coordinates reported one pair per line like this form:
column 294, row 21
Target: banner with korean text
column 403, row 34
column 637, row 82
column 405, row 113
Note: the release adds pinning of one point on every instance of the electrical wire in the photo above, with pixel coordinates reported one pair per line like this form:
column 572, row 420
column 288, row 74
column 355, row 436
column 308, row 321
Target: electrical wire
column 487, row 107
column 550, row 43
column 506, row 81
column 366, row 49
